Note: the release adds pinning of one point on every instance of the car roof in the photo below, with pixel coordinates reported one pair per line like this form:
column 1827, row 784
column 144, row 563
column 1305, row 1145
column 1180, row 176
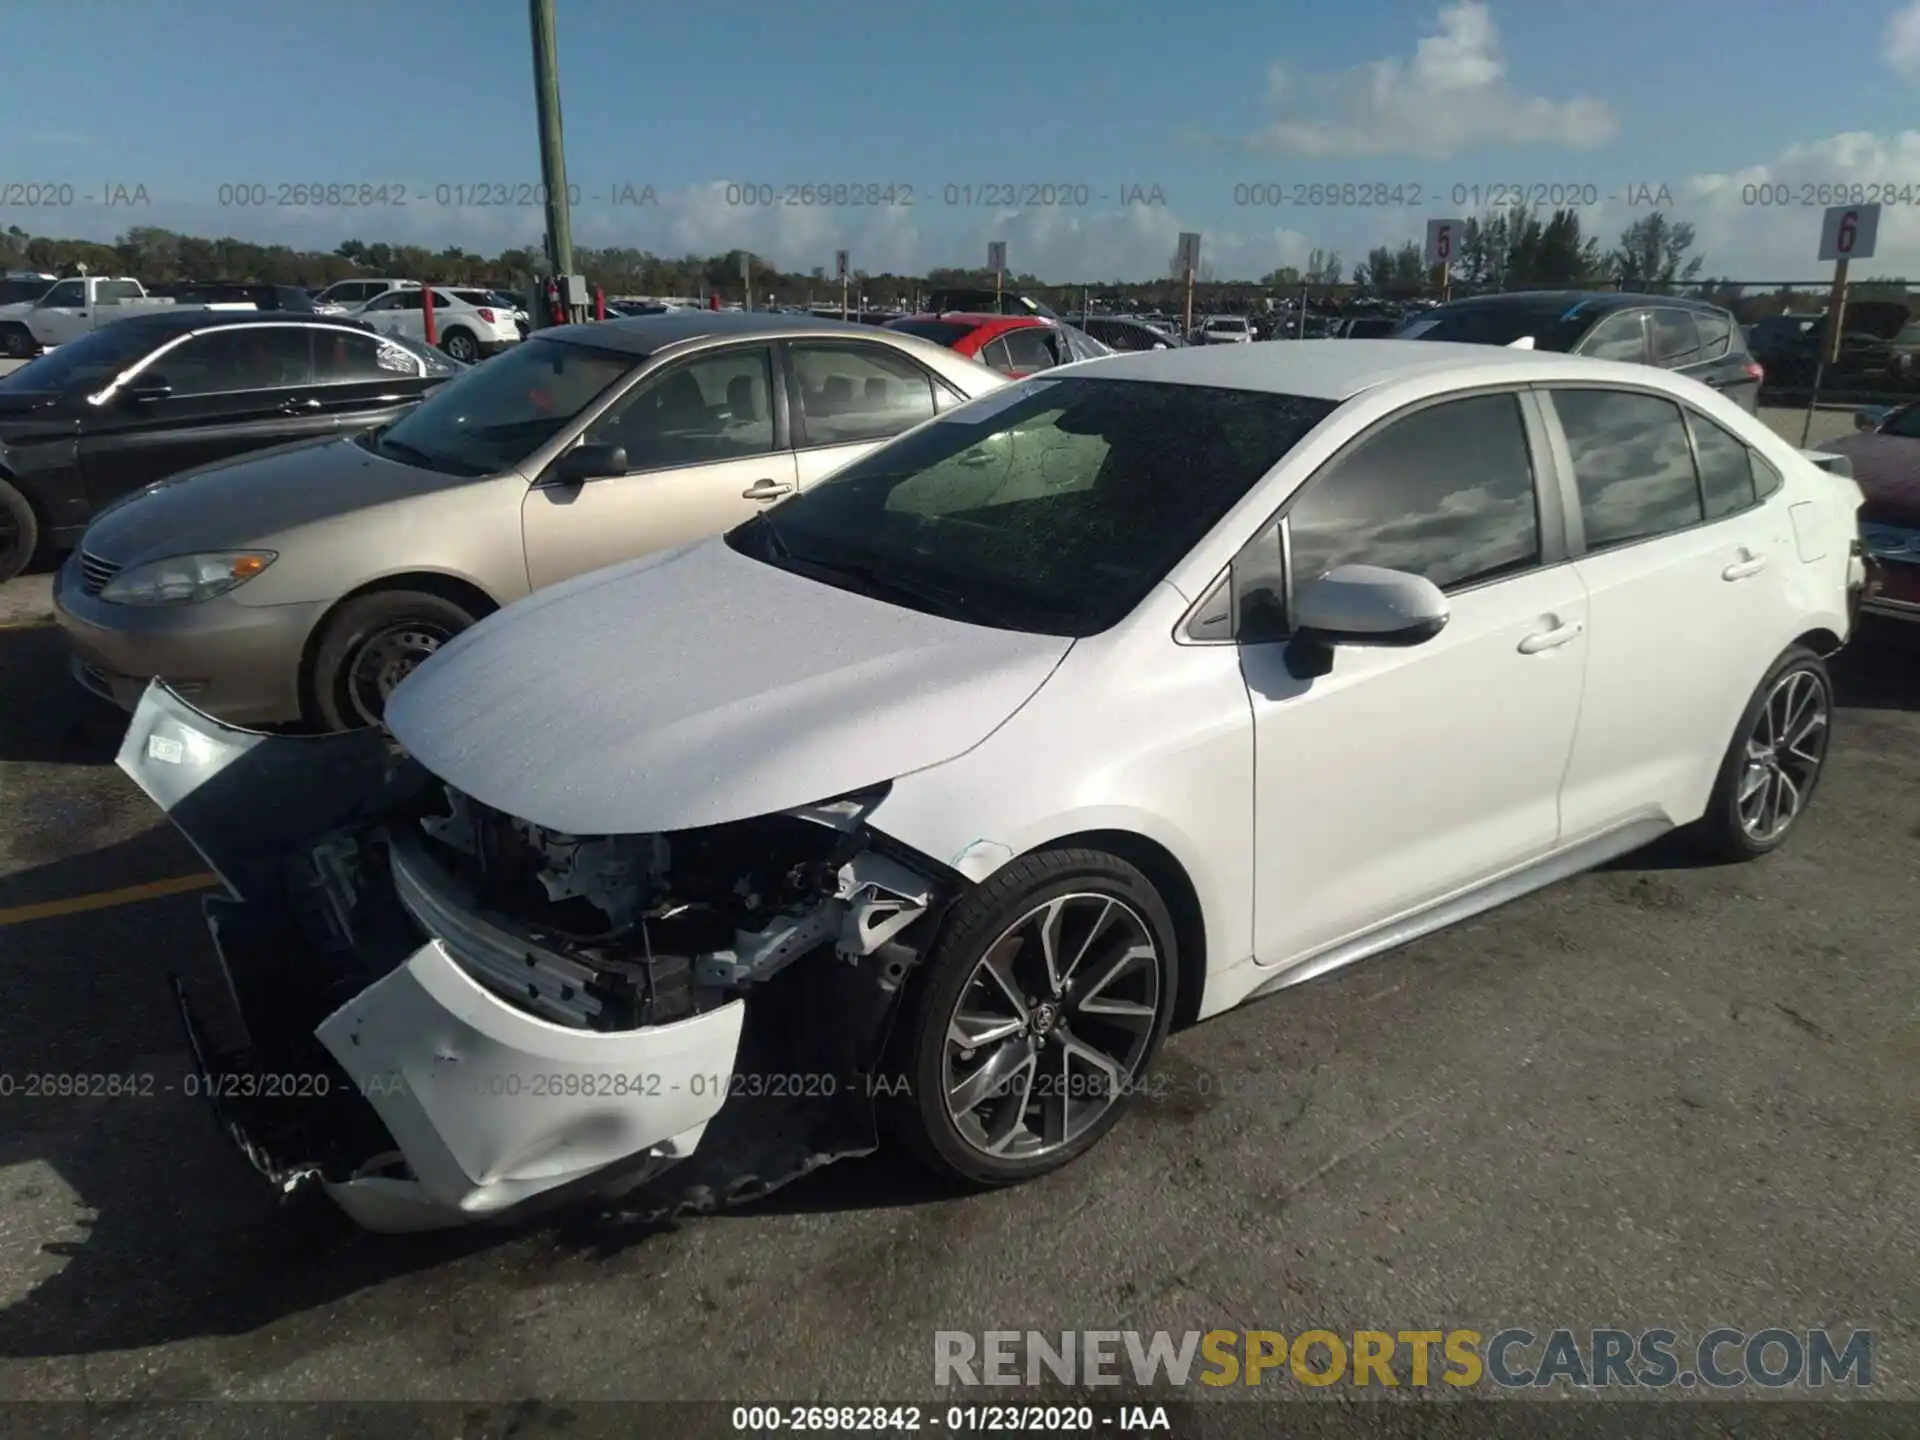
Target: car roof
column 644, row 334
column 983, row 319
column 1327, row 369
column 179, row 322
column 1597, row 302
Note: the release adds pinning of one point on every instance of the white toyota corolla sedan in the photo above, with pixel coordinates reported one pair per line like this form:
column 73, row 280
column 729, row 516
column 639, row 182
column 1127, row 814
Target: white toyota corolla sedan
column 925, row 803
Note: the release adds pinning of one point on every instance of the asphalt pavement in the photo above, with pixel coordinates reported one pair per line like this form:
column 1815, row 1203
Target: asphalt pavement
column 1654, row 1096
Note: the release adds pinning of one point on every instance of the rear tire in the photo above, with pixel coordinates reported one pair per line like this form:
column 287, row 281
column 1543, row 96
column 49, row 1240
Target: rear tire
column 370, row 645
column 461, row 345
column 19, row 532
column 1053, row 1064
column 18, row 342
column 1773, row 763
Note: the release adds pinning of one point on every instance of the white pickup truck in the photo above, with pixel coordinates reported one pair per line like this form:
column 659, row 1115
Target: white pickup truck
column 72, row 308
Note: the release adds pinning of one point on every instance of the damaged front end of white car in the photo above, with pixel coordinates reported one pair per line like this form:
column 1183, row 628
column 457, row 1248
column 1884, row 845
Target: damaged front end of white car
column 450, row 1015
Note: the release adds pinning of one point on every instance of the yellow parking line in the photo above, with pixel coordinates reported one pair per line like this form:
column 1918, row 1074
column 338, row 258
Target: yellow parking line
column 45, row 622
column 107, row 899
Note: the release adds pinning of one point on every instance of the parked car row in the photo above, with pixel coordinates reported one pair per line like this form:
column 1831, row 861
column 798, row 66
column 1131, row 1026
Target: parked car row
column 71, row 308
column 303, row 586
column 177, row 389
column 843, row 708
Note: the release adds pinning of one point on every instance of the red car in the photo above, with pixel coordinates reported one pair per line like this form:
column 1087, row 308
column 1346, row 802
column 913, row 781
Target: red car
column 1016, row 345
column 1886, row 465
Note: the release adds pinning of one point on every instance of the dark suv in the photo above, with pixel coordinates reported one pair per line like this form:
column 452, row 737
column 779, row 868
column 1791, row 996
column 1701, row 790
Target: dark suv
column 1690, row 336
column 225, row 292
column 985, row 302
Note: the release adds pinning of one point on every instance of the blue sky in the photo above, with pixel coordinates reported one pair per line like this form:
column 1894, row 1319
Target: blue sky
column 187, row 96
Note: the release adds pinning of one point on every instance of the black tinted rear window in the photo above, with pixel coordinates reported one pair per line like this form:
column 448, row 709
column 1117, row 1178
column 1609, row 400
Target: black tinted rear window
column 1553, row 327
column 941, row 332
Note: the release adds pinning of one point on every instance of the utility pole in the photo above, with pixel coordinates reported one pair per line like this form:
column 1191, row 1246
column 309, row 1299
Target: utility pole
column 553, row 153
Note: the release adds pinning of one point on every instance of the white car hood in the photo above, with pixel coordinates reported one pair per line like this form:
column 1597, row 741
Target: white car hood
column 699, row 687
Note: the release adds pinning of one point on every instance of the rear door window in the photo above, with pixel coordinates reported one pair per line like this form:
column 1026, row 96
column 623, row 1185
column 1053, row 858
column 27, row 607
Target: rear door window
column 1030, row 349
column 1716, row 335
column 1676, row 340
column 1632, row 465
column 1620, row 336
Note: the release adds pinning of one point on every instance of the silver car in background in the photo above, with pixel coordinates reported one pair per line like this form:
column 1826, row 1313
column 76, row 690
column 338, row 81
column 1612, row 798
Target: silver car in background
column 301, row 585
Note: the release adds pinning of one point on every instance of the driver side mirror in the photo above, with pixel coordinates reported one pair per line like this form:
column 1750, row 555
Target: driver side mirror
column 1362, row 605
column 590, row 462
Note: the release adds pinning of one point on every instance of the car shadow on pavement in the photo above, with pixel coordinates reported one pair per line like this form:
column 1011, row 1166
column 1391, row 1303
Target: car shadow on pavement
column 44, row 716
column 1880, row 670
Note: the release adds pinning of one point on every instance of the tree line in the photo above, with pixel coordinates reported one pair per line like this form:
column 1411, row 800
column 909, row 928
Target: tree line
column 1500, row 250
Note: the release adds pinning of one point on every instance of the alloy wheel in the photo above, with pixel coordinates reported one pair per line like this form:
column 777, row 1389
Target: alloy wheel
column 1784, row 752
column 1052, row 1026
column 384, row 659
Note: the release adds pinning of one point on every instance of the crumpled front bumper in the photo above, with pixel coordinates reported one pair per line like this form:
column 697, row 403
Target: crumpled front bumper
column 422, row 1099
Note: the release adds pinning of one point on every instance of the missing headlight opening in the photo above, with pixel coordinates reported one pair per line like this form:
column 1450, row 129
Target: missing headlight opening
column 618, row 932
column 507, row 1016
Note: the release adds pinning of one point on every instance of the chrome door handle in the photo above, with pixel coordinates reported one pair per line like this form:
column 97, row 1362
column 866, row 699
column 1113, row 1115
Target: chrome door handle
column 766, row 490
column 1752, row 565
column 973, row 460
column 1550, row 639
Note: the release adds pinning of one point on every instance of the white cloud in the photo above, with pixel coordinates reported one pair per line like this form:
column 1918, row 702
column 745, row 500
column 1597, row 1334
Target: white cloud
column 1453, row 95
column 1743, row 235
column 1901, row 42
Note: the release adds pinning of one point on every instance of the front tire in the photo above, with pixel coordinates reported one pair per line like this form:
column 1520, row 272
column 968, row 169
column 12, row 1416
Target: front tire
column 1045, row 998
column 1774, row 762
column 461, row 346
column 19, row 532
column 370, row 645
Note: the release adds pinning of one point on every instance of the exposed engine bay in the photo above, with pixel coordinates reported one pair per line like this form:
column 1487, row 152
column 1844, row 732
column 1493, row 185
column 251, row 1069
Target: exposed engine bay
column 489, row 1013
column 613, row 933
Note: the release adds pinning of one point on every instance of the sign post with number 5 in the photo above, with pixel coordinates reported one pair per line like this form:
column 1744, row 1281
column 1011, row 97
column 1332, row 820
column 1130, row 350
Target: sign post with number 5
column 1443, row 248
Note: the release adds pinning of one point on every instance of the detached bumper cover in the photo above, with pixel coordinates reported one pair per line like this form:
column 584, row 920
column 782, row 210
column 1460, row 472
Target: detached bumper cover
column 418, row 1097
column 491, row 1106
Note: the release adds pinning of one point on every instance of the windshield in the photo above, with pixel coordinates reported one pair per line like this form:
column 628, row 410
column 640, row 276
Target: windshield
column 1052, row 506
column 1554, row 327
column 496, row 415
column 87, row 363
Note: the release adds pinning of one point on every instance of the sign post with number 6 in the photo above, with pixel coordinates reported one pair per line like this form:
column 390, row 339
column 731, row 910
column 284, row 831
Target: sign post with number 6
column 1847, row 232
column 1443, row 248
